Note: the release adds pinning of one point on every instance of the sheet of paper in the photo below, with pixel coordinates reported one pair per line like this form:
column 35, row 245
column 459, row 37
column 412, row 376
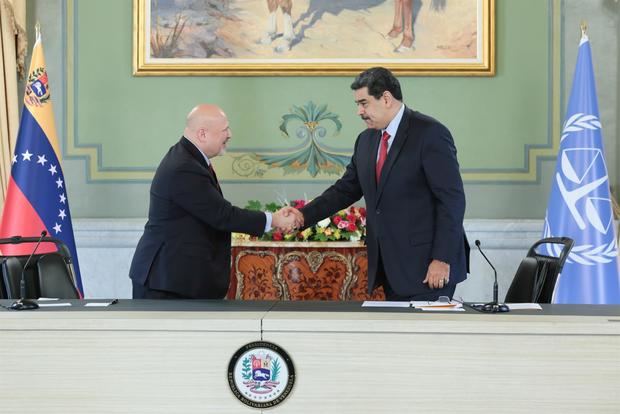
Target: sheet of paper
column 53, row 305
column 385, row 304
column 443, row 309
column 98, row 304
column 431, row 304
column 524, row 306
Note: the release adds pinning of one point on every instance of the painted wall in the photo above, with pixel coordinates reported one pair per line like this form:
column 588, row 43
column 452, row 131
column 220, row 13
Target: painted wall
column 116, row 127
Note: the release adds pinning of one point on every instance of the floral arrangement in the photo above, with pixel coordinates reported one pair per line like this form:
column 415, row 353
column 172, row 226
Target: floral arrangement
column 346, row 225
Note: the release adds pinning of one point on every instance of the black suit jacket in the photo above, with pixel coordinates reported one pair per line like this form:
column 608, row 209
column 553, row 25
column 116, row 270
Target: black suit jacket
column 415, row 213
column 185, row 247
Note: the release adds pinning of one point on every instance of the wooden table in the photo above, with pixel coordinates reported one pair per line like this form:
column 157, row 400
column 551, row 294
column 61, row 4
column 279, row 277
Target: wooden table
column 264, row 270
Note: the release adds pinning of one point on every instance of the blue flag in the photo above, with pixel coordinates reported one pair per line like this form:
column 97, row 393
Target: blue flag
column 580, row 203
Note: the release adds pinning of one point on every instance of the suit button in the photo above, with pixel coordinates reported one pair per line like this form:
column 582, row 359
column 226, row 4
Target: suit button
column 378, row 212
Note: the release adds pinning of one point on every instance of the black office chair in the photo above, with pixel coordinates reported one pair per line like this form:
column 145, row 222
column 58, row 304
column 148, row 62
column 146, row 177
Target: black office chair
column 537, row 274
column 48, row 274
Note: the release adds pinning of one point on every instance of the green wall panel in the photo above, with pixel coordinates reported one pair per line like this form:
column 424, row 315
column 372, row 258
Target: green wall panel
column 116, row 127
column 134, row 119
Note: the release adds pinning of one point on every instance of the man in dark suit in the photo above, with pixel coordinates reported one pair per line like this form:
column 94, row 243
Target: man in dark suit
column 185, row 249
column 405, row 167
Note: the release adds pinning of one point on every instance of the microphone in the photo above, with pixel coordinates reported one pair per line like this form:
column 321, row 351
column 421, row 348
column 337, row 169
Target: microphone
column 491, row 307
column 23, row 303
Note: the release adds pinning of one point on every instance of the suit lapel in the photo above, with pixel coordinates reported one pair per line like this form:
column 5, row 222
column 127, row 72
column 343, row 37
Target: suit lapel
column 397, row 146
column 373, row 148
column 195, row 152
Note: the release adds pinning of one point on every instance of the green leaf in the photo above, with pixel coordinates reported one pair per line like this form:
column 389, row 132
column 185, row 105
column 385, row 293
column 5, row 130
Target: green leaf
column 272, row 207
column 335, row 120
column 254, row 205
column 275, row 372
column 302, row 113
column 320, row 111
column 286, row 118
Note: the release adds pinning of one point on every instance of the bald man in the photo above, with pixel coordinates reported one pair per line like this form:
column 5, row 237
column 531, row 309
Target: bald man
column 184, row 252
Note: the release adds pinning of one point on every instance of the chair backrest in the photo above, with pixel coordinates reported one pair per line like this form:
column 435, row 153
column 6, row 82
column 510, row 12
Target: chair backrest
column 522, row 287
column 536, row 277
column 54, row 278
column 12, row 268
column 47, row 275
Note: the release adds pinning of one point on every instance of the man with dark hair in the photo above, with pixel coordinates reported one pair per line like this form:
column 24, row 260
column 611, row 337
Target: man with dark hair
column 378, row 80
column 405, row 167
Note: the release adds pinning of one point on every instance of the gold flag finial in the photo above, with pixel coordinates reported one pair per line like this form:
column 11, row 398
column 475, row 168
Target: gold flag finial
column 584, row 27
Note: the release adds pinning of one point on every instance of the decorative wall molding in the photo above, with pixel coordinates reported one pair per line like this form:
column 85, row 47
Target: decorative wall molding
column 533, row 154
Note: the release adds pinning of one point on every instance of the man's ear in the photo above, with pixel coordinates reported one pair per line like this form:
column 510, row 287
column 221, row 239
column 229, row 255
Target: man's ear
column 201, row 134
column 388, row 98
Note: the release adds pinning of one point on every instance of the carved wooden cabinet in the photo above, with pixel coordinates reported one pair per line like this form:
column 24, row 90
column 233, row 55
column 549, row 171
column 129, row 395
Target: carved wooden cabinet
column 300, row 271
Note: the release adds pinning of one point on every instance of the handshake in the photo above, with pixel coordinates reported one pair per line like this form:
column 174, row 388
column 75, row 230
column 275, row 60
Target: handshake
column 287, row 219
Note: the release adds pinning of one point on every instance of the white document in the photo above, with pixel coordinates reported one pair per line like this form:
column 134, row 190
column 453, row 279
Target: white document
column 385, row 304
column 443, row 309
column 452, row 306
column 435, row 304
column 53, row 305
column 524, row 306
column 98, row 304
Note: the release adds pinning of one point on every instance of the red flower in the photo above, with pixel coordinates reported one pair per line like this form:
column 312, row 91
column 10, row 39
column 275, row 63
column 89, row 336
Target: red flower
column 351, row 227
column 277, row 235
column 298, row 203
column 351, row 218
column 362, row 211
column 336, row 219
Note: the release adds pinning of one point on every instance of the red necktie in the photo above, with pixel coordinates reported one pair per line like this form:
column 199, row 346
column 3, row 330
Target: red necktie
column 382, row 154
column 217, row 183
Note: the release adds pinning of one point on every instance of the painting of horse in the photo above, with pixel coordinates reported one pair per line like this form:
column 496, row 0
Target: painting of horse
column 324, row 32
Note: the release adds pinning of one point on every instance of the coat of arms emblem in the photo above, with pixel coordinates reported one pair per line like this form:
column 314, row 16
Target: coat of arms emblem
column 37, row 87
column 261, row 374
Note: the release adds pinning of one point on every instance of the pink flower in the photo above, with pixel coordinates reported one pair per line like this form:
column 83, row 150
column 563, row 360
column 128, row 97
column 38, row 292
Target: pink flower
column 343, row 224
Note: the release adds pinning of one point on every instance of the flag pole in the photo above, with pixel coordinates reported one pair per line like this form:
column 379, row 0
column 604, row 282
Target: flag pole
column 584, row 28
column 37, row 32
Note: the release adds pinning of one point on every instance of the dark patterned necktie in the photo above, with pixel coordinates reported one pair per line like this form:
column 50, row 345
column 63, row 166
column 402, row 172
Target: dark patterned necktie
column 217, row 183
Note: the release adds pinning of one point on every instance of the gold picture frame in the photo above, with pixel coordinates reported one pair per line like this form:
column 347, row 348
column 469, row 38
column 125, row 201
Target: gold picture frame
column 237, row 37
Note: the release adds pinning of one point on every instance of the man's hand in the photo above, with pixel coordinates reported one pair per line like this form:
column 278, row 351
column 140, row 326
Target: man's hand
column 438, row 274
column 299, row 217
column 287, row 219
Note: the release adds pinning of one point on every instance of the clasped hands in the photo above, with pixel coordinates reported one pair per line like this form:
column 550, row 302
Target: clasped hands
column 287, row 219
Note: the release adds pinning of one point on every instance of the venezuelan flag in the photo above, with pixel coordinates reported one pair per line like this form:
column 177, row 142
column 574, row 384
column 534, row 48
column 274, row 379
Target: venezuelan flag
column 37, row 192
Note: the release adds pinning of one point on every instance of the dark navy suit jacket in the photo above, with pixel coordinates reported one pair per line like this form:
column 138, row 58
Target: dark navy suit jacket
column 185, row 248
column 415, row 213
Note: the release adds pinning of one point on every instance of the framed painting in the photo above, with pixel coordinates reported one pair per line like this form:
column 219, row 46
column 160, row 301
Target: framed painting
column 313, row 37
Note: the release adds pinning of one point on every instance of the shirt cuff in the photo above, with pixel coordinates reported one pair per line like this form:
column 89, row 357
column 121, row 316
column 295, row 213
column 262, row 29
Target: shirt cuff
column 268, row 221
